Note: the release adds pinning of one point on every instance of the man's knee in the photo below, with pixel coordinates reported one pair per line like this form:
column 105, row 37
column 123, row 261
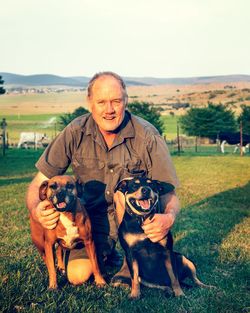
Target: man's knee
column 78, row 266
column 79, row 271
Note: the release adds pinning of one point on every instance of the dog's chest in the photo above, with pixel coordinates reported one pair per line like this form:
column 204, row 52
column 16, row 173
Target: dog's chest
column 67, row 231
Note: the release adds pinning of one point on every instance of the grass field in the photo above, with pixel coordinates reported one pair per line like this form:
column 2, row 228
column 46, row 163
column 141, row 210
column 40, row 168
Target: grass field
column 212, row 229
column 49, row 124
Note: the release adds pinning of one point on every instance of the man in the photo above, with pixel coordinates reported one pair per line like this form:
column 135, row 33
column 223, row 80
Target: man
column 102, row 148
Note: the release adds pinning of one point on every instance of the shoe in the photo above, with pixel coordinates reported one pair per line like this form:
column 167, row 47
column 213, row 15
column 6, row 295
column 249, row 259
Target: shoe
column 114, row 259
column 122, row 278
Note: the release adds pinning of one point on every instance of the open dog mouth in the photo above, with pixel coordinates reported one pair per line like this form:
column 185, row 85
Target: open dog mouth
column 61, row 205
column 141, row 204
column 145, row 204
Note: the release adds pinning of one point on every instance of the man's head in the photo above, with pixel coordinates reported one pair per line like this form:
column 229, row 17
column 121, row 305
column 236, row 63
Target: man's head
column 107, row 100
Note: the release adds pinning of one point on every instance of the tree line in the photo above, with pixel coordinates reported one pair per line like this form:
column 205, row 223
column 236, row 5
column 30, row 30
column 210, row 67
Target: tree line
column 199, row 122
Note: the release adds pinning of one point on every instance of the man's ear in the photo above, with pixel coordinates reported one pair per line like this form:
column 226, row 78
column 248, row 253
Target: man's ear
column 43, row 190
column 122, row 185
column 163, row 187
column 89, row 104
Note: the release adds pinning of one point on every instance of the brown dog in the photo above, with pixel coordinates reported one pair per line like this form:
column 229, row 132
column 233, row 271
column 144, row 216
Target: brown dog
column 73, row 227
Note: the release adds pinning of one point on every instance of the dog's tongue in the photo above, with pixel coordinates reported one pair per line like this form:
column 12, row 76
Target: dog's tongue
column 144, row 204
column 61, row 205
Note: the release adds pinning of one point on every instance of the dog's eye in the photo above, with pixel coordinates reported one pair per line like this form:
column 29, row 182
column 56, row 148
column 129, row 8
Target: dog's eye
column 53, row 186
column 134, row 186
column 70, row 186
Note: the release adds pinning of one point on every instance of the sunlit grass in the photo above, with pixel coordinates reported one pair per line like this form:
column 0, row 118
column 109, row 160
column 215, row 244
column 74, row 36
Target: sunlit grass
column 212, row 229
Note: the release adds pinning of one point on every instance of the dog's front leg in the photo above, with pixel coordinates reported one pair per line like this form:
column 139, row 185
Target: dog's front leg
column 59, row 255
column 50, row 263
column 170, row 264
column 135, row 291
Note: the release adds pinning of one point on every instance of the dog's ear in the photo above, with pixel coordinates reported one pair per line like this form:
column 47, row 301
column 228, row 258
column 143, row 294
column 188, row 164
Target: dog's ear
column 122, row 186
column 162, row 188
column 79, row 188
column 43, row 190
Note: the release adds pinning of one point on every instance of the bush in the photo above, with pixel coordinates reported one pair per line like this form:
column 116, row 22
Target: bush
column 209, row 121
column 65, row 119
column 148, row 112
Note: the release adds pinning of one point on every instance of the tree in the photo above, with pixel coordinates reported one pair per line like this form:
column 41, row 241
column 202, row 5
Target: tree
column 2, row 90
column 65, row 119
column 148, row 112
column 209, row 121
column 245, row 119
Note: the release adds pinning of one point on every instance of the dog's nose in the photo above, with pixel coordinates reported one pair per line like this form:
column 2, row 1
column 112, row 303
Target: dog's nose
column 145, row 190
column 61, row 195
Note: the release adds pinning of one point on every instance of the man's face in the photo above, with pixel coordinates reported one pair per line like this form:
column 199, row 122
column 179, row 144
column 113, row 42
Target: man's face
column 107, row 103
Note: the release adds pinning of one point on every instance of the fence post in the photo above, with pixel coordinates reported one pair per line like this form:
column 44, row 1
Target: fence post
column 178, row 140
column 3, row 126
column 241, row 139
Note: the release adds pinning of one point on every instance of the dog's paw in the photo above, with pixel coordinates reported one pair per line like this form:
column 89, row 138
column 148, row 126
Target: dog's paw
column 179, row 293
column 61, row 270
column 100, row 282
column 52, row 287
column 135, row 295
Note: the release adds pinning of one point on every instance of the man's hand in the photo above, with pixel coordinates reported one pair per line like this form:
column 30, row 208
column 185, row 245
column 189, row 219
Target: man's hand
column 48, row 218
column 158, row 227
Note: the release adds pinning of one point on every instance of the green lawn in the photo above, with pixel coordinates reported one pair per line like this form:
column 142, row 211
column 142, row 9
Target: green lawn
column 212, row 229
column 48, row 123
column 43, row 123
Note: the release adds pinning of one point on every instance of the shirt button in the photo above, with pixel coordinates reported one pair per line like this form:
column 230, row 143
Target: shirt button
column 107, row 192
column 111, row 171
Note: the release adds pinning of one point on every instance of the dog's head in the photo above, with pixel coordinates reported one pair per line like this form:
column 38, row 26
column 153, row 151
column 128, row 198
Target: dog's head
column 62, row 191
column 142, row 194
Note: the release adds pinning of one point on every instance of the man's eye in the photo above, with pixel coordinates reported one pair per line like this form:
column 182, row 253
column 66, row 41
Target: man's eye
column 101, row 102
column 117, row 101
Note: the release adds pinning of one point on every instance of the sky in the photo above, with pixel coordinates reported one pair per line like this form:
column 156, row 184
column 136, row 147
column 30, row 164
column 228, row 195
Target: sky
column 134, row 38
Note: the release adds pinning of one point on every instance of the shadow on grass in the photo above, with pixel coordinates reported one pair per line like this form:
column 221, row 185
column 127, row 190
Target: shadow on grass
column 203, row 226
column 19, row 180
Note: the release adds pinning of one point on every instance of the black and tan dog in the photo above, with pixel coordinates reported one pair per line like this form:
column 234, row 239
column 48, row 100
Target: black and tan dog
column 72, row 228
column 152, row 264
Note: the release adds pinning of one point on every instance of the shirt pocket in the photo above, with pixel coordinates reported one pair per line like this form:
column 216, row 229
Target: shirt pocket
column 88, row 168
column 133, row 168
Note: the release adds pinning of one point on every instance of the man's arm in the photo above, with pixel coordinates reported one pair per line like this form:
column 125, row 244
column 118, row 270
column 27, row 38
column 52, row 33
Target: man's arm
column 47, row 218
column 157, row 228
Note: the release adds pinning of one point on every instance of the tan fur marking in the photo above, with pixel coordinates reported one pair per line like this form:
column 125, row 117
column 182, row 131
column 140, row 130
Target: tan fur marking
column 132, row 239
column 135, row 290
column 174, row 281
column 194, row 277
column 188, row 263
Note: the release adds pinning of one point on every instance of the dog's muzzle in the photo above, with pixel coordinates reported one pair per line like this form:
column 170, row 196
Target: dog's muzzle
column 63, row 201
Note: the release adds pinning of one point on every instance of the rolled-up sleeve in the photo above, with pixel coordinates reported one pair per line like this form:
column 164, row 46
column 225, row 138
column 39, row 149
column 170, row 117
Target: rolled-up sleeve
column 159, row 163
column 57, row 157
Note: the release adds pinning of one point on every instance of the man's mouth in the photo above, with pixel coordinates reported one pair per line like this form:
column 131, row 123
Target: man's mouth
column 109, row 118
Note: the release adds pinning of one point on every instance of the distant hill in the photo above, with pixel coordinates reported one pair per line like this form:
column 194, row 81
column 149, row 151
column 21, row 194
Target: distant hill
column 192, row 80
column 41, row 80
column 82, row 81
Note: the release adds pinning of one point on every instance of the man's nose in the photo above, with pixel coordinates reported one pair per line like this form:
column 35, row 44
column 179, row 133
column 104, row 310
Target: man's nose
column 109, row 107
